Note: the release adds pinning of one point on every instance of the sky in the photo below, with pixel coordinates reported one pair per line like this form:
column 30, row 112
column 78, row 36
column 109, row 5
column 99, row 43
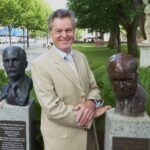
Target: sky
column 56, row 4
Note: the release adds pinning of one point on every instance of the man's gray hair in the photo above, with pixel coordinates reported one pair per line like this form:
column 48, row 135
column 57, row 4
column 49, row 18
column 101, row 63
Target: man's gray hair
column 61, row 13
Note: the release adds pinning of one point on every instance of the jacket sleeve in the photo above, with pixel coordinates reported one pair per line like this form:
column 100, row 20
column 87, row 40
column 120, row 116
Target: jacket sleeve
column 51, row 104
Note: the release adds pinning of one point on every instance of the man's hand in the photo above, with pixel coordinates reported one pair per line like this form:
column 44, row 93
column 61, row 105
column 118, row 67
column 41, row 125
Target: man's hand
column 100, row 111
column 85, row 112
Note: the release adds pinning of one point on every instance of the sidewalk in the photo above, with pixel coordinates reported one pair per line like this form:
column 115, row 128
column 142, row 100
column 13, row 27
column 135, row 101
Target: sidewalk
column 32, row 53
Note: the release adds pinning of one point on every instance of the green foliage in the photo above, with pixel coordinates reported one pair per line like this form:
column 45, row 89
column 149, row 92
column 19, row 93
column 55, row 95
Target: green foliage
column 31, row 14
column 144, row 78
column 96, row 14
column 105, row 16
column 3, row 78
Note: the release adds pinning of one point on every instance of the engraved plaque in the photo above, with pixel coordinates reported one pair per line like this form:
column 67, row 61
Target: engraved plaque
column 12, row 135
column 120, row 143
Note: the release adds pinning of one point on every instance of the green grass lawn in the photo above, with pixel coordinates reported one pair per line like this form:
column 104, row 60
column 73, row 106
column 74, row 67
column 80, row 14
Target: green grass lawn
column 95, row 54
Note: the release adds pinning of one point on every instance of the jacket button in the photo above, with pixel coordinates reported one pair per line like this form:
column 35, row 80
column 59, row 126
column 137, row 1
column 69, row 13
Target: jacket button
column 82, row 95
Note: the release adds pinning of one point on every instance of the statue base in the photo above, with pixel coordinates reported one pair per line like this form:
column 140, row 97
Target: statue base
column 144, row 54
column 126, row 133
column 16, row 126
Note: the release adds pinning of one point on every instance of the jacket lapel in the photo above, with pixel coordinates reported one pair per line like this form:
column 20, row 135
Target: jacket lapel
column 64, row 68
column 79, row 67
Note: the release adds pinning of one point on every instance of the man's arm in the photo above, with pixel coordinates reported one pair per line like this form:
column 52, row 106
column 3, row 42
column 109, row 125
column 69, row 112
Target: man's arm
column 86, row 111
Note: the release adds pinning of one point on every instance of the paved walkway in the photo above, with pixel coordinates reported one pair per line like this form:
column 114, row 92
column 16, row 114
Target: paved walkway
column 32, row 53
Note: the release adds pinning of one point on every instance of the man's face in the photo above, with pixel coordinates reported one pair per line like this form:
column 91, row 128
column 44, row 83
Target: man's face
column 124, row 82
column 13, row 63
column 62, row 33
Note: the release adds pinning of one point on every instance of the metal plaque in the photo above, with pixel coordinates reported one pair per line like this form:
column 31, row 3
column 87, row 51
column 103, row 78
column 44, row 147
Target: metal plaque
column 12, row 135
column 121, row 143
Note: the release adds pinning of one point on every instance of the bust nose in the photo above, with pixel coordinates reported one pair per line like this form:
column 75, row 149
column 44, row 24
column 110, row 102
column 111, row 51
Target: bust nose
column 121, row 84
column 10, row 63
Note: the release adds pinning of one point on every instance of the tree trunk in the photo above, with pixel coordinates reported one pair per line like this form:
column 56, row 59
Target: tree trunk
column 27, row 38
column 118, row 40
column 9, row 30
column 101, row 35
column 23, row 29
column 47, row 34
column 131, row 41
column 112, row 40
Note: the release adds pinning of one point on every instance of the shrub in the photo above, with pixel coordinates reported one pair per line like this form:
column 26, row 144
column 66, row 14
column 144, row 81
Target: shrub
column 144, row 79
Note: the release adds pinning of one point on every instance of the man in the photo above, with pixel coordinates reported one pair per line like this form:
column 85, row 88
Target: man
column 130, row 95
column 66, row 90
column 17, row 91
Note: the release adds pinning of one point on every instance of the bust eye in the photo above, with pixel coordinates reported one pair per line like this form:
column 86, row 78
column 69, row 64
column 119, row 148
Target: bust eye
column 15, row 59
column 6, row 60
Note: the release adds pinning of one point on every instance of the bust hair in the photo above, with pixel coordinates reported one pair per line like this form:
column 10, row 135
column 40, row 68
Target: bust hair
column 127, row 61
column 21, row 52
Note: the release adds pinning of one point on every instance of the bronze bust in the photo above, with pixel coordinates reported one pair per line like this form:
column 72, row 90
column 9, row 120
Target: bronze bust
column 17, row 90
column 130, row 95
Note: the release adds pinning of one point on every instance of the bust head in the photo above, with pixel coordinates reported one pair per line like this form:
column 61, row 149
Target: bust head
column 122, row 72
column 15, row 62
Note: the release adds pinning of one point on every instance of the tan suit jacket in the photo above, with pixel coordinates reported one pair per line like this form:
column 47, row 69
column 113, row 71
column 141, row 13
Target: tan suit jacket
column 58, row 91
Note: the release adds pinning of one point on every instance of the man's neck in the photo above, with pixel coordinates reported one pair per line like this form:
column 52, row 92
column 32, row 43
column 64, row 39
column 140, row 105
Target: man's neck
column 67, row 51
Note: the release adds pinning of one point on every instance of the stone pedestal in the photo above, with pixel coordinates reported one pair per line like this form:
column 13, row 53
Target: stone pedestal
column 126, row 133
column 16, row 126
column 144, row 54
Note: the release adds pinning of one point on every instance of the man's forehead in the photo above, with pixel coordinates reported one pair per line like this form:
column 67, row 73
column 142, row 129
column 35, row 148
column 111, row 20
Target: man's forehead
column 62, row 22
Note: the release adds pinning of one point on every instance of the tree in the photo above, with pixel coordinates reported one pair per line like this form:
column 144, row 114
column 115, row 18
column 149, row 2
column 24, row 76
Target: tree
column 10, row 9
column 29, row 14
column 33, row 16
column 97, row 17
column 129, row 14
column 108, row 15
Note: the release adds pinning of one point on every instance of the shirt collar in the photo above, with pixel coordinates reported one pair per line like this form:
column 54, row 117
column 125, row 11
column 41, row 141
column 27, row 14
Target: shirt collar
column 61, row 53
